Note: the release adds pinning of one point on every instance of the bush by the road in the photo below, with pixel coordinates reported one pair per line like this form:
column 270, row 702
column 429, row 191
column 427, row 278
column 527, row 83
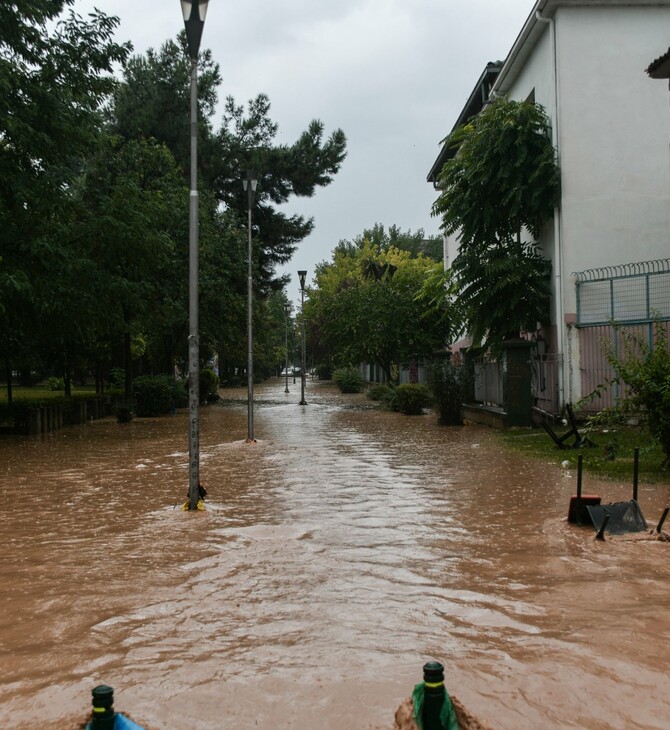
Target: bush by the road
column 348, row 380
column 411, row 398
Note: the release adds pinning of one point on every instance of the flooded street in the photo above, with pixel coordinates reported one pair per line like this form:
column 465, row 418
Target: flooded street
column 337, row 555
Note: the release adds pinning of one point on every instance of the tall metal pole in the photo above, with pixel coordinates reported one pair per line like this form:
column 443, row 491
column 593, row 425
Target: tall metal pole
column 287, row 310
column 194, row 21
column 249, row 184
column 250, row 339
column 193, row 339
column 302, row 275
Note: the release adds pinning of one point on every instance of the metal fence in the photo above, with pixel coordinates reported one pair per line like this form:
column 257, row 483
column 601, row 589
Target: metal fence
column 544, row 383
column 488, row 382
column 617, row 306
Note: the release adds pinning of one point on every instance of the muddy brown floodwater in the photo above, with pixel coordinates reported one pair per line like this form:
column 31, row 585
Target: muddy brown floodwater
column 337, row 555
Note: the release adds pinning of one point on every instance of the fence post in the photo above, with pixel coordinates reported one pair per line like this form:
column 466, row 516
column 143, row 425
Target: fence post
column 469, row 357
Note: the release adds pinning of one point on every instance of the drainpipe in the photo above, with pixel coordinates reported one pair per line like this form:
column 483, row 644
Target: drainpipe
column 558, row 248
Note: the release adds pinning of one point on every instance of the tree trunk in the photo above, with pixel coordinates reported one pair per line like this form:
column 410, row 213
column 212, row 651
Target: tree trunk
column 67, row 379
column 8, row 370
column 128, row 383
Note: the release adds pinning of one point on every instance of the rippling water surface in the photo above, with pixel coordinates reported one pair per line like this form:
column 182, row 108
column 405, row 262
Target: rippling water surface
column 337, row 554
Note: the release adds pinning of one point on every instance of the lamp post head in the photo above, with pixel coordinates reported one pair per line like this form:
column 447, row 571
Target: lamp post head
column 194, row 12
column 250, row 183
column 287, row 308
column 302, row 275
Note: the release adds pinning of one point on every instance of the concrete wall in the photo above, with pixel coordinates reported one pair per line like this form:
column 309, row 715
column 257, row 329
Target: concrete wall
column 611, row 127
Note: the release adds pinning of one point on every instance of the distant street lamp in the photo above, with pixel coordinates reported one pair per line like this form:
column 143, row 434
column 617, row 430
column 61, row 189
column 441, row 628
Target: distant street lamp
column 250, row 183
column 287, row 312
column 302, row 275
column 194, row 20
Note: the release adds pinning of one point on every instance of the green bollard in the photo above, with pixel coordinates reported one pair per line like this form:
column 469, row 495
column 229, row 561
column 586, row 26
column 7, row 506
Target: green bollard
column 434, row 695
column 103, row 714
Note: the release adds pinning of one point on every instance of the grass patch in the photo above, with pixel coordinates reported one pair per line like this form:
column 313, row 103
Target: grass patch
column 611, row 458
column 39, row 395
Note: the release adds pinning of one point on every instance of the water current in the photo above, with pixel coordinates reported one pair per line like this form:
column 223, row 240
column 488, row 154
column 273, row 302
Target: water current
column 337, row 555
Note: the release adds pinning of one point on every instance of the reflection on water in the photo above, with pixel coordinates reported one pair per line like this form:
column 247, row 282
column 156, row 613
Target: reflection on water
column 337, row 555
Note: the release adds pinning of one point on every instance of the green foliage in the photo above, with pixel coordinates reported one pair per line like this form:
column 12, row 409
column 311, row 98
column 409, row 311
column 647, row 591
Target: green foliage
column 379, row 392
column 124, row 411
column 414, row 242
column 153, row 101
column 55, row 383
column 324, row 371
column 348, row 380
column 117, row 377
column 412, row 398
column 94, row 201
column 209, row 385
column 366, row 308
column 390, row 400
column 448, row 387
column 56, row 73
column 504, row 177
column 502, row 185
column 645, row 370
column 156, row 395
column 504, row 292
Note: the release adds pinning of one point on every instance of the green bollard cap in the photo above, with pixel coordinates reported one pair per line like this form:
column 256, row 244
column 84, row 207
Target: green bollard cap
column 103, row 698
column 433, row 673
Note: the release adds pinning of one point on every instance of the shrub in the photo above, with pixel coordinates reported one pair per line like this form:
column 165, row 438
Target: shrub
column 646, row 372
column 117, row 378
column 124, row 412
column 156, row 395
column 209, row 385
column 390, row 400
column 55, row 384
column 324, row 371
column 412, row 398
column 379, row 392
column 348, row 380
column 447, row 384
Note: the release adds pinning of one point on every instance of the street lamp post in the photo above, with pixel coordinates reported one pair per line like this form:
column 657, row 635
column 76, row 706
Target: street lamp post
column 287, row 312
column 250, row 183
column 194, row 12
column 302, row 275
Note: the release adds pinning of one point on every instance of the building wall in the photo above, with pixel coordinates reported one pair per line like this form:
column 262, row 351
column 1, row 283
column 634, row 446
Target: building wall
column 614, row 137
column 611, row 127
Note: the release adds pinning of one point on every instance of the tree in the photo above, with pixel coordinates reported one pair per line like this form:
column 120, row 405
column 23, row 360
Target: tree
column 498, row 190
column 153, row 101
column 414, row 242
column 134, row 209
column 366, row 308
column 55, row 75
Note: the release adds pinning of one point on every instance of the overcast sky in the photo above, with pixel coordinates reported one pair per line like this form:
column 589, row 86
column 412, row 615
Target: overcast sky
column 392, row 74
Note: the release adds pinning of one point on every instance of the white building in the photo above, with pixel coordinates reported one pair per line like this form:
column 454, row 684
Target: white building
column 584, row 61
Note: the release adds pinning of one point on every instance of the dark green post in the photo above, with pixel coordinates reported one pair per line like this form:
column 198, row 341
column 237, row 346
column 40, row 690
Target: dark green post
column 517, row 396
column 434, row 695
column 103, row 708
column 636, row 471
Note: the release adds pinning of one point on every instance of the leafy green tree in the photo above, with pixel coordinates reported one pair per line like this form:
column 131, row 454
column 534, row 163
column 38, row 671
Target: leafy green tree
column 55, row 75
column 135, row 205
column 414, row 242
column 365, row 308
column 497, row 192
column 153, row 101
